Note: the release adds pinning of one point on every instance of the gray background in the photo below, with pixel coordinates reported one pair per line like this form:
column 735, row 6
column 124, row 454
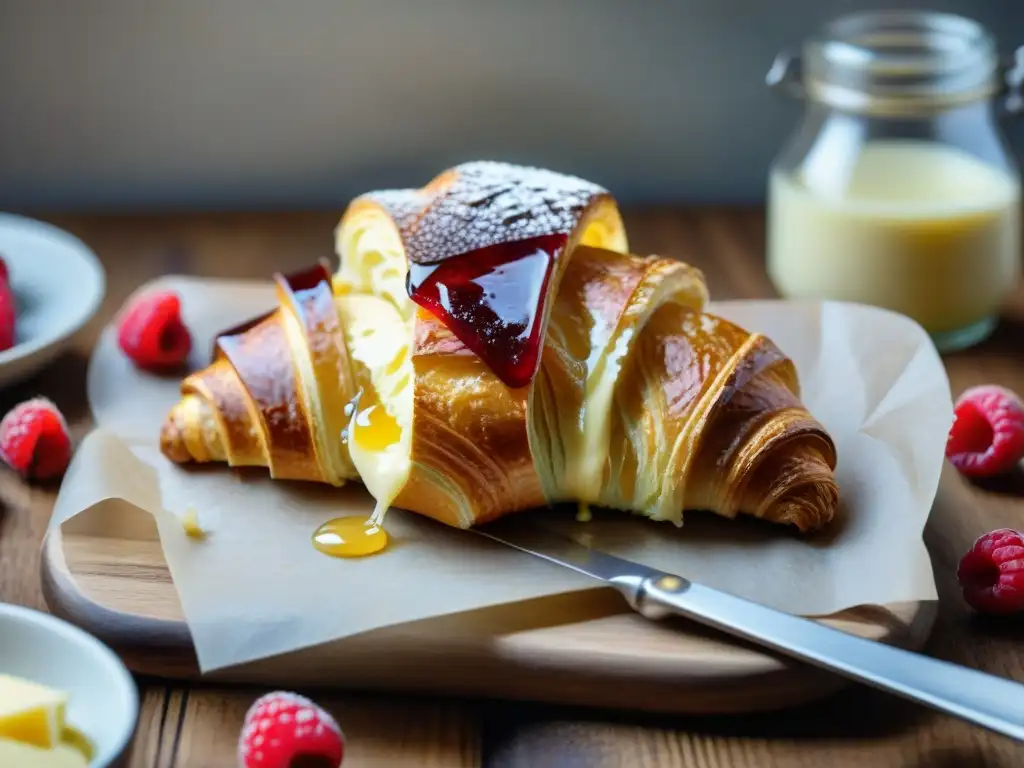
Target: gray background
column 226, row 104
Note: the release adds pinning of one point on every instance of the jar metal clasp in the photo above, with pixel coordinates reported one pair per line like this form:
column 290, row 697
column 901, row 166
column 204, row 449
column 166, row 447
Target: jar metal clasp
column 786, row 74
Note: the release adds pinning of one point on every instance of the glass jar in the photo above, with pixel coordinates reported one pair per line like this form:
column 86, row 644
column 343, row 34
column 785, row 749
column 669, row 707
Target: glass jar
column 897, row 189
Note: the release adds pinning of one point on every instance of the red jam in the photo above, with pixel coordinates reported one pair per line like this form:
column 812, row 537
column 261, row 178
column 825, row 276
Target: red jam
column 309, row 278
column 492, row 300
column 297, row 282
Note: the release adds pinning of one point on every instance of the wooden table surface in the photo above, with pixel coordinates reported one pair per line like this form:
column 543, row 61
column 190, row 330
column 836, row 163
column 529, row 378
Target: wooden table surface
column 188, row 726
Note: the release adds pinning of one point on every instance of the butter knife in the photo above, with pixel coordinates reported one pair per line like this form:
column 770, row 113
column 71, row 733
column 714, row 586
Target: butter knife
column 992, row 702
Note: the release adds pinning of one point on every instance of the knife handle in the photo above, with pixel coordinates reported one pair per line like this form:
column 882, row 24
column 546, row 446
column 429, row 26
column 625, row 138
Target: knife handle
column 993, row 702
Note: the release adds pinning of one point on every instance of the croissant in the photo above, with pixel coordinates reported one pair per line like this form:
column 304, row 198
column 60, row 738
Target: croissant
column 488, row 345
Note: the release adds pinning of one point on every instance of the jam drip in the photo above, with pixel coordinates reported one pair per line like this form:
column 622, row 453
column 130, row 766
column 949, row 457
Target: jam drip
column 492, row 300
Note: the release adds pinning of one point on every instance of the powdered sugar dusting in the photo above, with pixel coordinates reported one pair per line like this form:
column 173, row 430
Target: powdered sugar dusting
column 479, row 204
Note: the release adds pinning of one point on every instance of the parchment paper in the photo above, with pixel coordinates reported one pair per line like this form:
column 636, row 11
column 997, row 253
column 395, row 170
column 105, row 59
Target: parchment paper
column 255, row 587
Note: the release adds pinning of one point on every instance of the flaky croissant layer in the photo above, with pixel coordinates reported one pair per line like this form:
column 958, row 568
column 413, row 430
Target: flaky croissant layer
column 641, row 401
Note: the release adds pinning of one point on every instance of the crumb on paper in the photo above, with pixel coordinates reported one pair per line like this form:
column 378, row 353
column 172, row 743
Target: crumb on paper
column 190, row 522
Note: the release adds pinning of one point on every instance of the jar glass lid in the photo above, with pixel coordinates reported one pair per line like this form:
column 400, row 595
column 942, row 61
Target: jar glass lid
column 900, row 61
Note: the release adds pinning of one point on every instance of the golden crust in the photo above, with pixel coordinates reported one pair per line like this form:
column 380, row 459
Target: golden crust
column 330, row 376
column 172, row 436
column 219, row 386
column 643, row 401
column 254, row 392
column 471, row 458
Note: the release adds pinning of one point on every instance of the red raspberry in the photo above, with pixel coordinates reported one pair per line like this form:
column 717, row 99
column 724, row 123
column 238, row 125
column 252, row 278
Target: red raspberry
column 282, row 727
column 991, row 574
column 34, row 440
column 152, row 333
column 8, row 310
column 987, row 437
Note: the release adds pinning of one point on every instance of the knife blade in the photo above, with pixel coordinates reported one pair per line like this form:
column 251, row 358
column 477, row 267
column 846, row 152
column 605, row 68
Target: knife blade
column 544, row 543
column 995, row 703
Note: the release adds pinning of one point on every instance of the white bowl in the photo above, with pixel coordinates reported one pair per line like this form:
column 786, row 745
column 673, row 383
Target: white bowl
column 58, row 286
column 104, row 703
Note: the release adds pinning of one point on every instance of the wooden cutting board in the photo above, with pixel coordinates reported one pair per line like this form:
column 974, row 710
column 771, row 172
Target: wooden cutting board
column 115, row 583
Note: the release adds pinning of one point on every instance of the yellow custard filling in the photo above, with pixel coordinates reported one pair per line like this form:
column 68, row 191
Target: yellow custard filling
column 379, row 433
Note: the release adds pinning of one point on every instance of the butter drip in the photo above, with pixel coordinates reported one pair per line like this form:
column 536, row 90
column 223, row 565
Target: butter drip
column 379, row 431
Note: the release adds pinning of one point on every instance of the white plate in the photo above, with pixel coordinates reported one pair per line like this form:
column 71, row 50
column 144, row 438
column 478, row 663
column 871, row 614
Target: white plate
column 104, row 702
column 58, row 286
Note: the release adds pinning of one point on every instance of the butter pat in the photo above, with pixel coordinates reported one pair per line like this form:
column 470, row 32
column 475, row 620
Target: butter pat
column 31, row 713
column 17, row 754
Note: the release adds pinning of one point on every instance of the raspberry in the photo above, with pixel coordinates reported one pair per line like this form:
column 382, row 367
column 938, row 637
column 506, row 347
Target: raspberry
column 151, row 332
column 8, row 310
column 991, row 574
column 34, row 440
column 284, row 729
column 987, row 437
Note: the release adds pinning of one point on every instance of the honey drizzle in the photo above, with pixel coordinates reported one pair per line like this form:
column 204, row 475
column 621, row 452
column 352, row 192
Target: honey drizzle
column 350, row 536
column 355, row 535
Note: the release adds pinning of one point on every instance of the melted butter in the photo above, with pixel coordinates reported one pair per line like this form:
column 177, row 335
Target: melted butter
column 401, row 385
column 374, row 428
column 380, row 448
column 588, row 438
column 373, row 260
column 398, row 360
column 597, row 410
column 340, row 285
column 379, row 433
column 609, row 346
column 354, row 536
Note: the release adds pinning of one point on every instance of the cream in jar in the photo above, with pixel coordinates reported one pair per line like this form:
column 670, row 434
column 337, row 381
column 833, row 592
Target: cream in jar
column 897, row 188
column 917, row 227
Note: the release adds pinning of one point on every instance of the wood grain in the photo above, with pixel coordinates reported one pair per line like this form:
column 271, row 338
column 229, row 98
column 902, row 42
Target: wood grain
column 854, row 729
column 379, row 732
column 584, row 648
